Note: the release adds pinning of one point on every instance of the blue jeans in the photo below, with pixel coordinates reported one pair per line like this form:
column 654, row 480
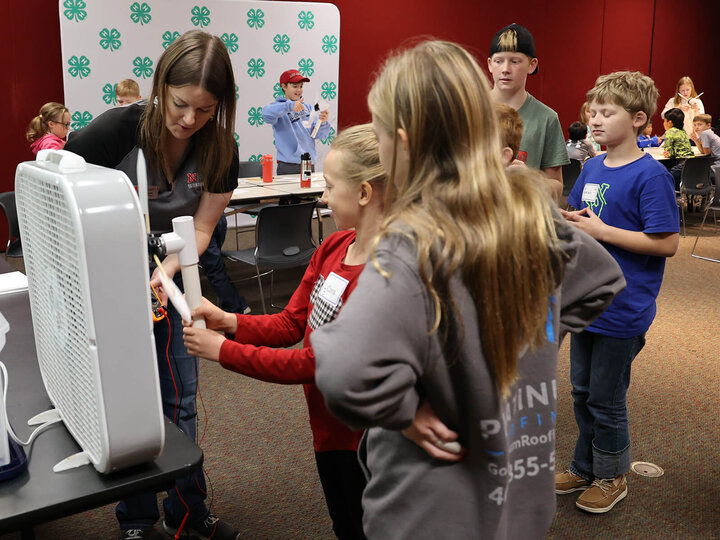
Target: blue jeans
column 141, row 511
column 600, row 375
column 212, row 264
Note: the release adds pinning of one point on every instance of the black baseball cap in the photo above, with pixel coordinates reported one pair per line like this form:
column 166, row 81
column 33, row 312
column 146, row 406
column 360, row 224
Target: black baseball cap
column 525, row 42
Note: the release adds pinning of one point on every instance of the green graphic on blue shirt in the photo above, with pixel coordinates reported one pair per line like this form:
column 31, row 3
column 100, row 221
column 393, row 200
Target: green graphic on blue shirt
column 600, row 201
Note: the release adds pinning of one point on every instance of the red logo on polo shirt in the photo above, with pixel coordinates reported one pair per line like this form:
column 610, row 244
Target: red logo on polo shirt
column 192, row 177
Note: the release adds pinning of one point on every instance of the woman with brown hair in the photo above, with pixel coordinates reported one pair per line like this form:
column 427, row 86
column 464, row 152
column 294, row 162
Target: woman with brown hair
column 185, row 130
column 473, row 281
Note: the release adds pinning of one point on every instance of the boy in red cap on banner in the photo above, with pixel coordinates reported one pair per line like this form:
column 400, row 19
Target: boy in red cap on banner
column 286, row 115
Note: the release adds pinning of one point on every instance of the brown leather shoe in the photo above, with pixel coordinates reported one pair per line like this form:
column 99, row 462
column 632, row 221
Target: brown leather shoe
column 603, row 495
column 568, row 482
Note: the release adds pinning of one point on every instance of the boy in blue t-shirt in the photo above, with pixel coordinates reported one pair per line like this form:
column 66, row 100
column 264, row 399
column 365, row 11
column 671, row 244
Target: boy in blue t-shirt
column 626, row 201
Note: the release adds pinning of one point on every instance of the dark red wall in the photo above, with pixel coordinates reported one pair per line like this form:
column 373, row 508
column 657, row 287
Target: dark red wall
column 576, row 40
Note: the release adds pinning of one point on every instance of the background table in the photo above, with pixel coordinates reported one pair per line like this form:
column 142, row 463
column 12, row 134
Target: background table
column 39, row 494
column 254, row 190
column 658, row 152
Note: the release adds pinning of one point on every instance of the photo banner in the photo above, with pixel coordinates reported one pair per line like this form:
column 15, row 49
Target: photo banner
column 104, row 42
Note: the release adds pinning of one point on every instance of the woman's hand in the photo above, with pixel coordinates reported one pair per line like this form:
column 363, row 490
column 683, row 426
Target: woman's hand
column 215, row 318
column 202, row 342
column 171, row 265
column 157, row 285
column 430, row 434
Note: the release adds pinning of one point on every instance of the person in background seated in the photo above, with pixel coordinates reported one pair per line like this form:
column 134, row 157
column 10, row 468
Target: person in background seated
column 512, row 59
column 646, row 139
column 708, row 143
column 286, row 116
column 127, row 91
column 49, row 129
column 577, row 145
column 585, row 119
column 677, row 143
column 686, row 100
column 355, row 183
column 470, row 286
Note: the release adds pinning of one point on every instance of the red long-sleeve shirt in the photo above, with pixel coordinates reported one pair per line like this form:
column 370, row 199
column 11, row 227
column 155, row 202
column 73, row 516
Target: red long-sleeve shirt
column 252, row 353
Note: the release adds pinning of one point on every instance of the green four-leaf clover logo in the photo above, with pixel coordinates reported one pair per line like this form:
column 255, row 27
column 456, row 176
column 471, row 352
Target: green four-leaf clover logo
column 255, row 116
column 80, row 119
column 255, row 157
column 110, row 39
column 329, row 90
column 237, row 138
column 237, row 92
column 75, row 9
column 329, row 44
column 143, row 67
column 330, row 136
column 282, row 43
column 255, row 18
column 306, row 20
column 278, row 91
column 79, row 67
column 200, row 16
column 230, row 41
column 168, row 37
column 140, row 13
column 306, row 66
column 109, row 95
column 256, row 67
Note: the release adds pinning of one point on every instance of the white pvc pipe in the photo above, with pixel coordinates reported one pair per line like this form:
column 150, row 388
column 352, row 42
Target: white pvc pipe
column 184, row 227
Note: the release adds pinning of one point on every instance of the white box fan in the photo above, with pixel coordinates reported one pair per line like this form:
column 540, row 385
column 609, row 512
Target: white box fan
column 85, row 252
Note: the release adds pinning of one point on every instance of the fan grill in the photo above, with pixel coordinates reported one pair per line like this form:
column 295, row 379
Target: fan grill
column 60, row 308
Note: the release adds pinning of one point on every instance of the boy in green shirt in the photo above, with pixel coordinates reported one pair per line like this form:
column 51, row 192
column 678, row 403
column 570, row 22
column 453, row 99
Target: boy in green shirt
column 512, row 59
column 676, row 142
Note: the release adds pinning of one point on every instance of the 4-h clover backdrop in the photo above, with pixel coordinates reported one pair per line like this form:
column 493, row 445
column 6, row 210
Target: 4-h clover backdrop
column 104, row 42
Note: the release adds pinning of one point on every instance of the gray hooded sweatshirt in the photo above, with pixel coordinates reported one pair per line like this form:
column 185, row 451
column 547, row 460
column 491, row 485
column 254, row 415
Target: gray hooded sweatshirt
column 379, row 361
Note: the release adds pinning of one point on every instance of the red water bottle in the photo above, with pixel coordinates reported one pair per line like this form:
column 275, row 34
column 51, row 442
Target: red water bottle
column 267, row 164
column 305, row 170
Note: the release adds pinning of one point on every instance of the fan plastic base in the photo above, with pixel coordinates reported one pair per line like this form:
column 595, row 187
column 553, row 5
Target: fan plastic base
column 72, row 462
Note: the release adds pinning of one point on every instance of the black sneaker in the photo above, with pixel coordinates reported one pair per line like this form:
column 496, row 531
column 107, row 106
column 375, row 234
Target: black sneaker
column 134, row 534
column 210, row 527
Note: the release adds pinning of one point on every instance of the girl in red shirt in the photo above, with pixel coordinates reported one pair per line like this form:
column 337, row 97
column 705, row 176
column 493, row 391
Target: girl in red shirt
column 254, row 344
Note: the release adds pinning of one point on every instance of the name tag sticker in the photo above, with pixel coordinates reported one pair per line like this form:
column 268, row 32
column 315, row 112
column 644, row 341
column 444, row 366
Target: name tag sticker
column 333, row 288
column 590, row 193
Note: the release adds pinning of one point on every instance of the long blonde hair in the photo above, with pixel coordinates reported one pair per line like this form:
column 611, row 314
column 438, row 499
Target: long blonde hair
column 201, row 59
column 39, row 126
column 466, row 213
column 361, row 158
column 677, row 100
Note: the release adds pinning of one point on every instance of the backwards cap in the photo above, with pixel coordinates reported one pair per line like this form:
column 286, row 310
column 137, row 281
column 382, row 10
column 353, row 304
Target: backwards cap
column 523, row 42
